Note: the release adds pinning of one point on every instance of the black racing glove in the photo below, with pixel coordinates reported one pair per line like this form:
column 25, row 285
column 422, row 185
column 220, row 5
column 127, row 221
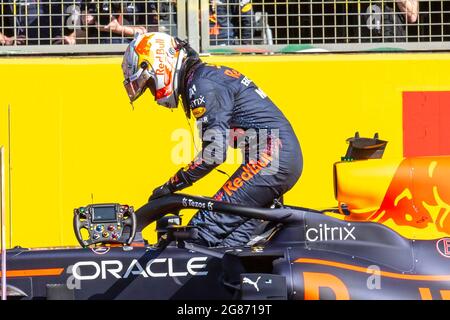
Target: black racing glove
column 176, row 183
column 161, row 191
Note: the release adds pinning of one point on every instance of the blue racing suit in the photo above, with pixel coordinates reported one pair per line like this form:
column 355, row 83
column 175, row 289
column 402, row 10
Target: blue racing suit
column 231, row 110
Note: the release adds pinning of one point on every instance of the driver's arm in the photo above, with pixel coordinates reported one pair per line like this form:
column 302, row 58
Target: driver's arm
column 212, row 105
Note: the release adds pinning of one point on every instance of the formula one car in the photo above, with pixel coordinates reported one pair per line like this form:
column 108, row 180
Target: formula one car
column 297, row 253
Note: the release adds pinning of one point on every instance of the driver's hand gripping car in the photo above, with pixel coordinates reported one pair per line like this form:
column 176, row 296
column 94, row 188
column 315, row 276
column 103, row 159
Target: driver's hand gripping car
column 230, row 110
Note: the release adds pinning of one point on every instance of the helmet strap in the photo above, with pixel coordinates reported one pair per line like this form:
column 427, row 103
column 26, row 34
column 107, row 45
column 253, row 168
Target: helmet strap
column 176, row 77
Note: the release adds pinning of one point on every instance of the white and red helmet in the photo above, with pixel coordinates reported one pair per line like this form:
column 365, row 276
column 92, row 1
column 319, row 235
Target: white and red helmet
column 153, row 60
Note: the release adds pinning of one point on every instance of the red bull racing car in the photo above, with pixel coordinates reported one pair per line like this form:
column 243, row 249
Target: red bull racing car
column 388, row 238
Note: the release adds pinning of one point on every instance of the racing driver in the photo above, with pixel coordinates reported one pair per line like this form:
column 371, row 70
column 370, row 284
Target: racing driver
column 230, row 110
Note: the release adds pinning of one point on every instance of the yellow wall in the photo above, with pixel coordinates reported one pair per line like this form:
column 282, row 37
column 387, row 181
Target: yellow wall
column 74, row 134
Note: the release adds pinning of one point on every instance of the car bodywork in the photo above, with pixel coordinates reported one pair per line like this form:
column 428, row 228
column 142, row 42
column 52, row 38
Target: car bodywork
column 305, row 254
column 411, row 195
column 388, row 238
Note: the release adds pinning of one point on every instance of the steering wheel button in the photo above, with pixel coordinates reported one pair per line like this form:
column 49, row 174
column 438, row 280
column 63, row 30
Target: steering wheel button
column 95, row 236
column 105, row 234
column 111, row 228
column 99, row 228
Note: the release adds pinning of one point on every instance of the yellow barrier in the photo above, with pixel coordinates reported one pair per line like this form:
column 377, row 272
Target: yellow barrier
column 73, row 137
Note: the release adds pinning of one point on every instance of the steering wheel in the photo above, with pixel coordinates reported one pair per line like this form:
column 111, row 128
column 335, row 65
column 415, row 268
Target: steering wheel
column 105, row 224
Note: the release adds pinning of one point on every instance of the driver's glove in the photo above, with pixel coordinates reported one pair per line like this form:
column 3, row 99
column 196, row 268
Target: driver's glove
column 176, row 183
column 161, row 191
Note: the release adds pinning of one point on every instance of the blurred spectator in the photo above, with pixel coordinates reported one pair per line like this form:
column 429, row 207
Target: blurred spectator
column 167, row 10
column 384, row 21
column 6, row 41
column 70, row 21
column 231, row 22
column 142, row 13
column 28, row 22
column 410, row 8
column 112, row 21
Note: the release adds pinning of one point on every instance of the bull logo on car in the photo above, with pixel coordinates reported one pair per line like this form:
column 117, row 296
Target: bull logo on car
column 418, row 195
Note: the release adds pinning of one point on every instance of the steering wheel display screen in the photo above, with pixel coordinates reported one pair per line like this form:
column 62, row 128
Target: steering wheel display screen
column 106, row 213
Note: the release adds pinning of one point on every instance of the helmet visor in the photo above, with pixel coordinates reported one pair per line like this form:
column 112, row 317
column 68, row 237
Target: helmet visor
column 137, row 83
